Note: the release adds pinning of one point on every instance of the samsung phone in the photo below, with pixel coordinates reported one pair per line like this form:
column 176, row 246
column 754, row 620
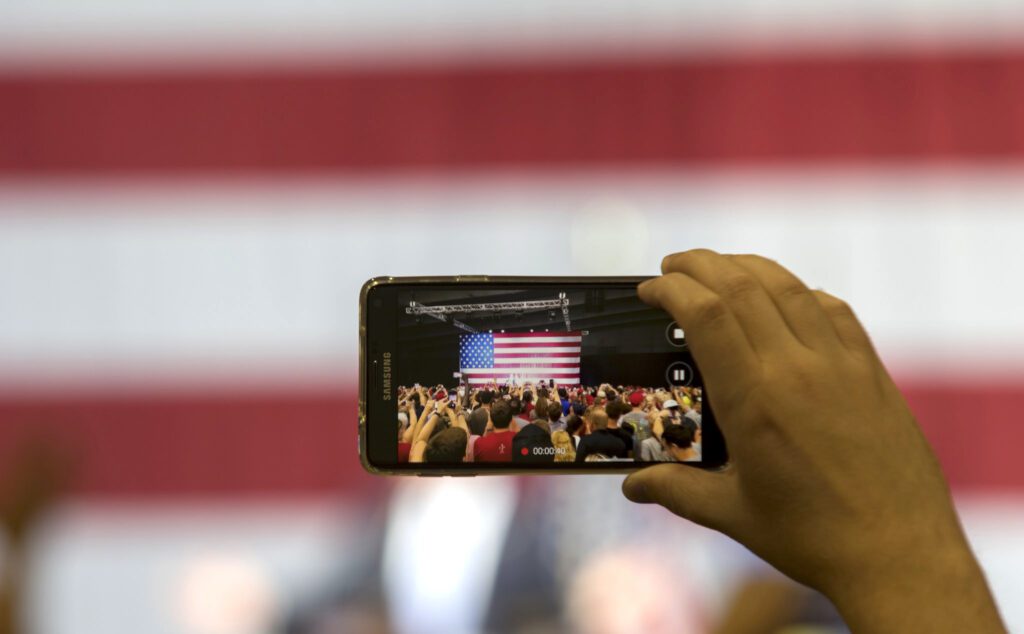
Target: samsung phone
column 548, row 374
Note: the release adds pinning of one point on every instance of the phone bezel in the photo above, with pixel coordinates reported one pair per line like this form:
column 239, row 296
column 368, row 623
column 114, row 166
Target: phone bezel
column 378, row 331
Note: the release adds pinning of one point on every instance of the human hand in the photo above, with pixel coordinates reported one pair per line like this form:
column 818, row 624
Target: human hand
column 830, row 479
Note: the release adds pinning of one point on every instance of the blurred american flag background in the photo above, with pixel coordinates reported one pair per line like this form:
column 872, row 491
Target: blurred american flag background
column 191, row 194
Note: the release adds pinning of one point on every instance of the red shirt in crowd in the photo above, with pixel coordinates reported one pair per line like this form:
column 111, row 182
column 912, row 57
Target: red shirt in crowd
column 403, row 451
column 494, row 447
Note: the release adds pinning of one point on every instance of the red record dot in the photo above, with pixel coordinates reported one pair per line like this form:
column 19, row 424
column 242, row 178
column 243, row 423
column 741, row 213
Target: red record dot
column 524, row 451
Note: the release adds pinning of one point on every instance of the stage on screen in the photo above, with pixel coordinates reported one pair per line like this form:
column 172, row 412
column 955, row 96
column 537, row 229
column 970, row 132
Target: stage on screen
column 560, row 375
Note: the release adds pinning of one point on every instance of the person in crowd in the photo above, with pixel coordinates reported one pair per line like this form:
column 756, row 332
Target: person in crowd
column 601, row 440
column 439, row 443
column 497, row 445
column 579, row 408
column 519, row 417
column 533, row 444
column 678, row 443
column 477, row 423
column 555, row 419
column 411, row 432
column 652, row 449
column 446, row 446
column 560, row 424
column 694, row 430
column 614, row 410
column 670, row 412
column 418, row 396
column 485, row 397
column 576, row 429
column 638, row 418
column 528, row 404
column 693, row 412
column 404, row 445
column 541, row 410
column 629, row 430
column 563, row 398
column 610, row 393
column 565, row 447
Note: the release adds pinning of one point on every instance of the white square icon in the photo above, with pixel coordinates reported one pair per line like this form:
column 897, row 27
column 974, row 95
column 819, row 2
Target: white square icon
column 675, row 335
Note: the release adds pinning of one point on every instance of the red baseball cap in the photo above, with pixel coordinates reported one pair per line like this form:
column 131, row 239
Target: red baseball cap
column 636, row 398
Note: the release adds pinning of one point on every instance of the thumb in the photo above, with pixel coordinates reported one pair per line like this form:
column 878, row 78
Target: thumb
column 704, row 497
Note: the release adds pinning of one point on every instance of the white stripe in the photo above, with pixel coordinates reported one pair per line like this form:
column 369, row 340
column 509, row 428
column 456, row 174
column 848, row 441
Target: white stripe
column 502, row 339
column 141, row 551
column 536, row 360
column 500, row 350
column 116, row 563
column 564, row 380
column 211, row 284
column 151, row 33
column 521, row 370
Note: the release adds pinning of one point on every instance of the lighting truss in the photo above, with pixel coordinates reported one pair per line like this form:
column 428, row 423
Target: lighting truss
column 441, row 312
column 565, row 310
column 416, row 309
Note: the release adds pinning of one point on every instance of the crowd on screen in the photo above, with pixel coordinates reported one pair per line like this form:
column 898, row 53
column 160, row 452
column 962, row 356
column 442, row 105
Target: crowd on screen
column 548, row 423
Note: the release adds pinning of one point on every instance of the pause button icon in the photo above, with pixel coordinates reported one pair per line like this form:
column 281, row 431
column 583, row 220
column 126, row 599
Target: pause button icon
column 679, row 374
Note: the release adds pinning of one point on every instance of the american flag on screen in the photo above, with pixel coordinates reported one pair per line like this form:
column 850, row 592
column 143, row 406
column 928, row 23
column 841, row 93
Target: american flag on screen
column 521, row 357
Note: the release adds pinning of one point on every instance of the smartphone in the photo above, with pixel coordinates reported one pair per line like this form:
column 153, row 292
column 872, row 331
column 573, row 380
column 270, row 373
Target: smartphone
column 562, row 342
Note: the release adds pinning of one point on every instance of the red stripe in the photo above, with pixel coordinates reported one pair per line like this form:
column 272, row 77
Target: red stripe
column 762, row 109
column 306, row 443
column 245, row 443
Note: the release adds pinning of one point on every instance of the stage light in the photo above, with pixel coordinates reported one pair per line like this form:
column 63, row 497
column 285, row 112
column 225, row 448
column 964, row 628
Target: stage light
column 531, row 329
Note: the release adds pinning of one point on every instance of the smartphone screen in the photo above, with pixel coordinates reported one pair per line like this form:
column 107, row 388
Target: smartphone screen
column 542, row 374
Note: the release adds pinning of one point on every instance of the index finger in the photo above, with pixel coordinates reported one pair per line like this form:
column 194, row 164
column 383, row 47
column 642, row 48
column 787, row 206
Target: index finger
column 746, row 298
column 719, row 345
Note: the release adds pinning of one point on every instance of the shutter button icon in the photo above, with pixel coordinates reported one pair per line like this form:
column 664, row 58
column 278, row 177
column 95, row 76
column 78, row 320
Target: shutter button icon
column 675, row 335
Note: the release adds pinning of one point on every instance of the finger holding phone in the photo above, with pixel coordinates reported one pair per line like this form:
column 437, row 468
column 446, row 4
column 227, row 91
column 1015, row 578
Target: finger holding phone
column 803, row 399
